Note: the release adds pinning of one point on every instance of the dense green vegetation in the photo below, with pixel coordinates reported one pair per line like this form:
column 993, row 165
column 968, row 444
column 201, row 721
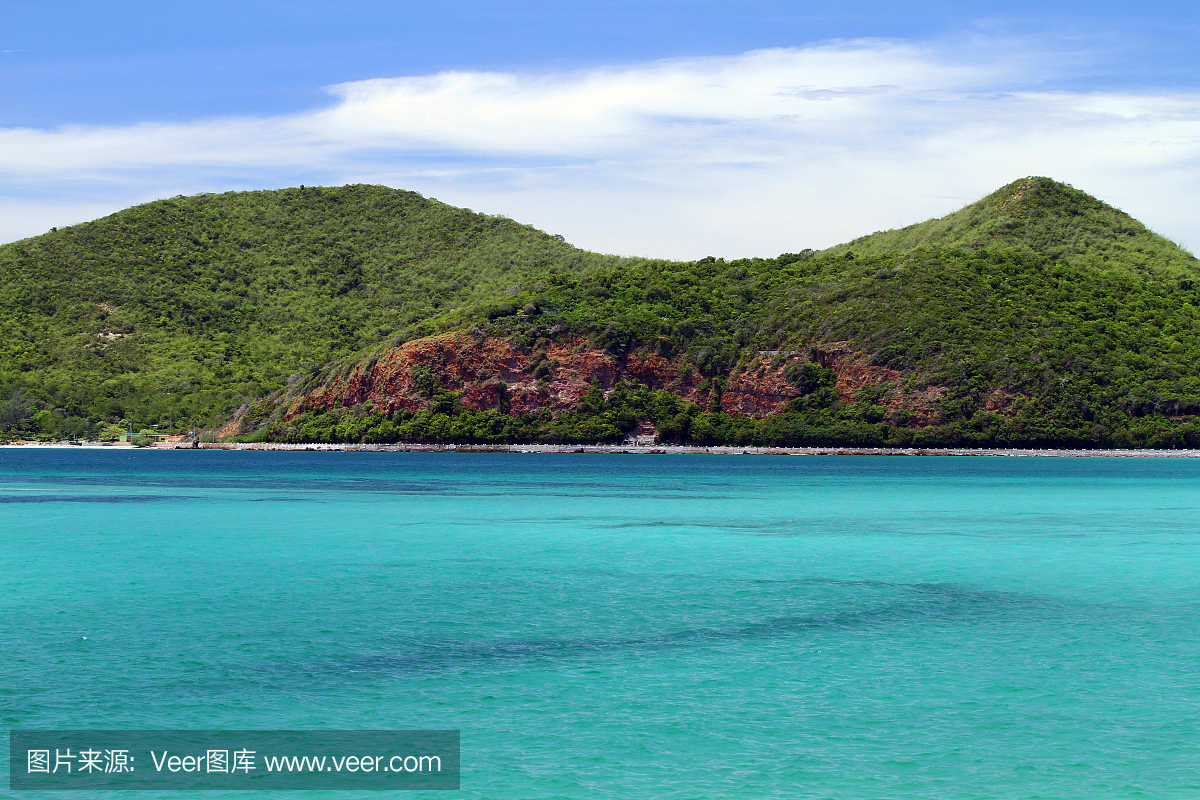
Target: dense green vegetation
column 1070, row 321
column 1091, row 358
column 1038, row 216
column 177, row 310
column 595, row 419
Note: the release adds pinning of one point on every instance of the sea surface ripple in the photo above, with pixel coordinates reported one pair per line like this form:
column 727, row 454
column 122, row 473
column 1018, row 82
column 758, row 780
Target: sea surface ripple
column 616, row 626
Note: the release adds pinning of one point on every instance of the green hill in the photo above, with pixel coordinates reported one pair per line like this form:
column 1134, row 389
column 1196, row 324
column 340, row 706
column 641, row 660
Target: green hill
column 1041, row 216
column 1037, row 316
column 934, row 347
column 179, row 309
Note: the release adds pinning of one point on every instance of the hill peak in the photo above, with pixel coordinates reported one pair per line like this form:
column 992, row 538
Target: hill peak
column 1040, row 215
column 1046, row 195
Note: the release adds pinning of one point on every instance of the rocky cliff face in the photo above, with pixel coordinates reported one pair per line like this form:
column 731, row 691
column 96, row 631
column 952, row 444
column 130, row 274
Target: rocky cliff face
column 853, row 375
column 557, row 376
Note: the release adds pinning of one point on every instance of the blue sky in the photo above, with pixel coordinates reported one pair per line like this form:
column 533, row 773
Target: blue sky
column 674, row 129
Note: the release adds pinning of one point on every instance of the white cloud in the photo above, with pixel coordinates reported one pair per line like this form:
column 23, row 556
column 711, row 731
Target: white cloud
column 769, row 151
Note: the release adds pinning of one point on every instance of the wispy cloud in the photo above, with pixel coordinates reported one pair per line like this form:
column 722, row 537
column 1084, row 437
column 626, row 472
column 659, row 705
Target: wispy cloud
column 755, row 154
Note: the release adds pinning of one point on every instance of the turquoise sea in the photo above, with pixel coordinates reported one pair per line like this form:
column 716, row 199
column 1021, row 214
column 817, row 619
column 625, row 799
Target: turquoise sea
column 609, row 626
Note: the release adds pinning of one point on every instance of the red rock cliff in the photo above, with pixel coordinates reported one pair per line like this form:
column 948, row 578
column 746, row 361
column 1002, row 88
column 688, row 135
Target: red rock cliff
column 558, row 376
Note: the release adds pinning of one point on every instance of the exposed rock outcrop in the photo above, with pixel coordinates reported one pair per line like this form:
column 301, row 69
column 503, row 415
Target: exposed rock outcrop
column 489, row 372
column 556, row 377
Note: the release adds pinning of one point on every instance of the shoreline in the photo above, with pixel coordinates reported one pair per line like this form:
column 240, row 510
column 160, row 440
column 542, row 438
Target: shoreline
column 628, row 449
column 619, row 449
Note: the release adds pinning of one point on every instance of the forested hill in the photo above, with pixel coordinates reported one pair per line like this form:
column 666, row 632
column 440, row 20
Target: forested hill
column 1040, row 216
column 176, row 309
column 929, row 348
column 1037, row 316
column 1082, row 330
